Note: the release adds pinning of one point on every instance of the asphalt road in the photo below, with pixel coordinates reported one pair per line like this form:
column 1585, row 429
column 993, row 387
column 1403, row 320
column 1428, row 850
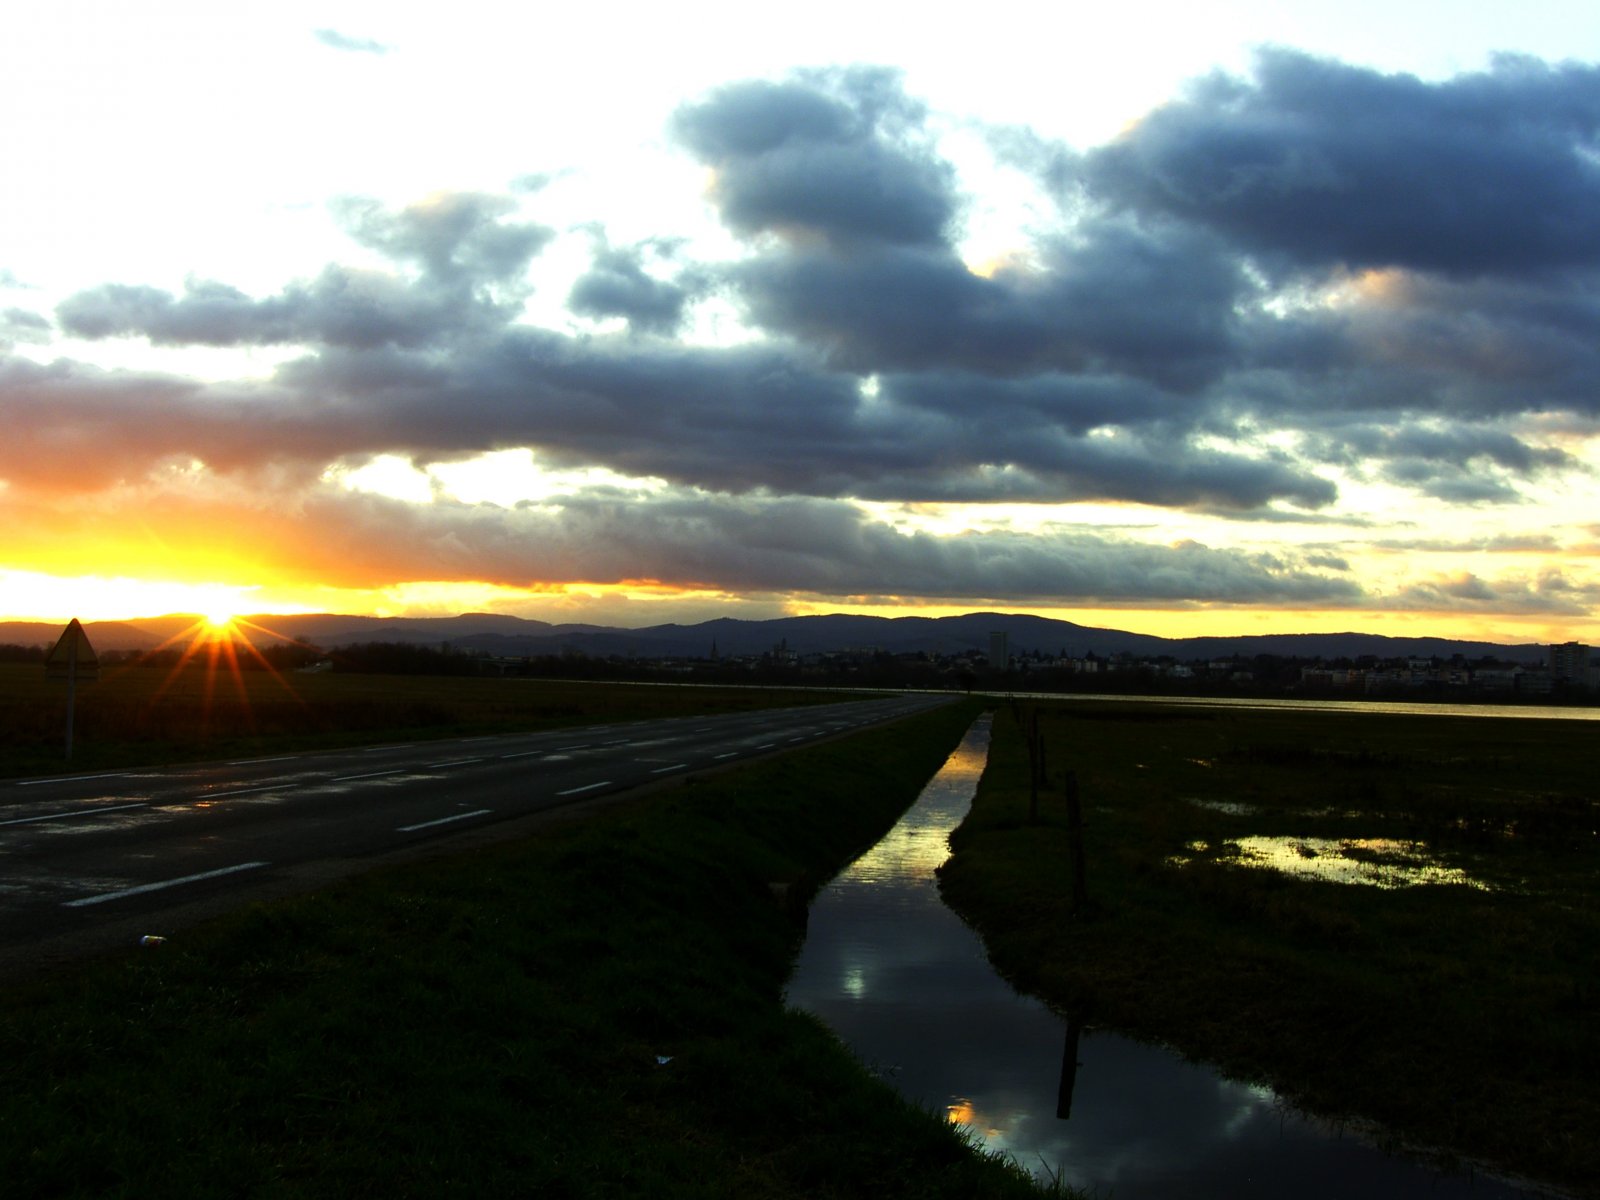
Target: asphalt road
column 87, row 860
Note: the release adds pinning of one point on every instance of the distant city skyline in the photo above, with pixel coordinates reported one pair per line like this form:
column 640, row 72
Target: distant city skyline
column 1254, row 318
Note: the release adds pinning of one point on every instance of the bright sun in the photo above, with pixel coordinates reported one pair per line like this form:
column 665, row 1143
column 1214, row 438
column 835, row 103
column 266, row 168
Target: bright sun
column 218, row 619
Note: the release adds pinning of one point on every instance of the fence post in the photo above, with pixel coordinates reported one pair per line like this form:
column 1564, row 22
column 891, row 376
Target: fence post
column 1080, row 885
column 1035, row 751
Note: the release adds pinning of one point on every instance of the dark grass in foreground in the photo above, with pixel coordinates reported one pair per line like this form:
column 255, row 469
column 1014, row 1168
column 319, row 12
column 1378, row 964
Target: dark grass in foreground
column 136, row 716
column 1461, row 1016
column 491, row 1025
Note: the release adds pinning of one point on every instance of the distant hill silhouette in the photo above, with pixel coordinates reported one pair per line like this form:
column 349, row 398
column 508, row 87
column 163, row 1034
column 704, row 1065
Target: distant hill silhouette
column 496, row 634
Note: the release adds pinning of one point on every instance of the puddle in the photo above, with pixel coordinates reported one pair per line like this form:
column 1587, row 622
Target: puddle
column 908, row 988
column 1374, row 862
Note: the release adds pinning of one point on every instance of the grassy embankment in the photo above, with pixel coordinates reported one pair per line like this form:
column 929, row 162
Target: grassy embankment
column 136, row 716
column 1460, row 1017
column 491, row 1025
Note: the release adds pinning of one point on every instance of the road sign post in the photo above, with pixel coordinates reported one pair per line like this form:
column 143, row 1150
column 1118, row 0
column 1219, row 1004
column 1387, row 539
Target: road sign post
column 72, row 659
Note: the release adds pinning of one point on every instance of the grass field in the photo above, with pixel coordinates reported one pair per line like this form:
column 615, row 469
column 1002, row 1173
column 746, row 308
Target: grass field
column 1385, row 917
column 594, row 1012
column 135, row 716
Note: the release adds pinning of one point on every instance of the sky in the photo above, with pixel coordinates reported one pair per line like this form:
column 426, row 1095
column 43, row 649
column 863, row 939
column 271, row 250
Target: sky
column 1227, row 319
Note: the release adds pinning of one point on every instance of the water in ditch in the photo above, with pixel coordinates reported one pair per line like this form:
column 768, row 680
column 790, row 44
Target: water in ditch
column 907, row 987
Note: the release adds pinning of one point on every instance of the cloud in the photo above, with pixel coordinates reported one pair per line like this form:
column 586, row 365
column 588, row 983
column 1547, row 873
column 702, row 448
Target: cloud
column 737, row 419
column 1133, row 359
column 775, row 546
column 1549, row 593
column 23, row 325
column 1116, row 299
column 1313, row 164
column 617, row 285
column 335, row 40
column 865, row 267
column 340, row 307
column 469, row 263
column 1508, row 543
column 458, row 239
column 1462, row 464
column 1235, row 309
column 830, row 155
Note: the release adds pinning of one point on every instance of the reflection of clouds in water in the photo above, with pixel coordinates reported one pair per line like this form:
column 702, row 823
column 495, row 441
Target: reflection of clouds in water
column 903, row 981
column 920, row 843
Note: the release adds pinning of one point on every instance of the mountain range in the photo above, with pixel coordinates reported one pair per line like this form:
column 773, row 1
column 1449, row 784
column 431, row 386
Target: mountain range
column 496, row 634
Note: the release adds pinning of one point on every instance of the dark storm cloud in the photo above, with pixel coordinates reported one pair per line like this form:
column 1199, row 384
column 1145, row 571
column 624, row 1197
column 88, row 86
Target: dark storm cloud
column 1255, row 287
column 617, row 285
column 760, row 417
column 867, row 270
column 335, row 40
column 1489, row 344
column 465, row 253
column 782, row 545
column 738, row 419
column 458, row 239
column 1316, row 163
column 825, row 155
column 1467, row 446
column 1459, row 463
column 1117, row 300
column 1352, row 443
column 1453, row 483
column 340, row 307
column 1410, row 346
column 1104, row 370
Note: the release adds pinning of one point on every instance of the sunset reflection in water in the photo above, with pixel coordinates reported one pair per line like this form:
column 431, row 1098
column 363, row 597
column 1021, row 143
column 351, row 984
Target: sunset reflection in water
column 909, row 989
column 1375, row 862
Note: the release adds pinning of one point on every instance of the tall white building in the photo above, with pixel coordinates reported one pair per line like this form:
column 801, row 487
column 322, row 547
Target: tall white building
column 1570, row 661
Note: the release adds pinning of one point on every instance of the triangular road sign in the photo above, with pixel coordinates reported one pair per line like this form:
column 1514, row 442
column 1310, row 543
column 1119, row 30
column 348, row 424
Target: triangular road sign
column 73, row 657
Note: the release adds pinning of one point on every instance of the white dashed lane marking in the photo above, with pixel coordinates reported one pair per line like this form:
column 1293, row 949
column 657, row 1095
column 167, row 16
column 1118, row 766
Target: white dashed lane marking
column 82, row 812
column 477, row 812
column 165, row 883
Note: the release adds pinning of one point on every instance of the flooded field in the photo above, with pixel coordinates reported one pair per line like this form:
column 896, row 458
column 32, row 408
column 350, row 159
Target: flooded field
column 1375, row 862
column 908, row 987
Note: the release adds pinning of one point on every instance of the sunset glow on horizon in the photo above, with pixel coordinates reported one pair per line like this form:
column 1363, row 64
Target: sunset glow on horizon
column 1184, row 335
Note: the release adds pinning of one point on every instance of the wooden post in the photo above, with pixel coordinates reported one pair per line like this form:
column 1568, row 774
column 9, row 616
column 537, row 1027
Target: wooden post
column 1034, row 771
column 1080, row 885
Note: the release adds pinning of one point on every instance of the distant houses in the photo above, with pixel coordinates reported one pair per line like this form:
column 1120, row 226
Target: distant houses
column 1567, row 673
column 1569, row 669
